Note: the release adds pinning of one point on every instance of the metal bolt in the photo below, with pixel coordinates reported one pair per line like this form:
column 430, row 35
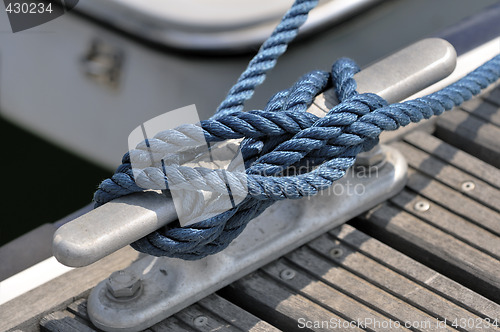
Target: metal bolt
column 422, row 206
column 373, row 158
column 287, row 274
column 468, row 186
column 200, row 321
column 122, row 284
column 336, row 252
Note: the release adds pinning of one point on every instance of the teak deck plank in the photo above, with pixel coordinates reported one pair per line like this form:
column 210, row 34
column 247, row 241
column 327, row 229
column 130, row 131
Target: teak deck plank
column 356, row 287
column 328, row 297
column 366, row 279
column 493, row 96
column 470, row 134
column 452, row 224
column 61, row 321
column 441, row 251
column 219, row 315
column 25, row 311
column 234, row 314
column 392, row 282
column 212, row 322
column 449, row 175
column 417, row 272
column 454, row 156
column 277, row 304
column 483, row 109
column 455, row 201
column 459, row 234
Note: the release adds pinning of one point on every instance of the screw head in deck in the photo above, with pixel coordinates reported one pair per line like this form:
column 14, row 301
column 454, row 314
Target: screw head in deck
column 422, row 206
column 336, row 252
column 287, row 274
column 468, row 186
column 200, row 321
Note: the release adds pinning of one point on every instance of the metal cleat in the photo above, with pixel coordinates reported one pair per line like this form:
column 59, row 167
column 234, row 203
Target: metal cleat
column 166, row 285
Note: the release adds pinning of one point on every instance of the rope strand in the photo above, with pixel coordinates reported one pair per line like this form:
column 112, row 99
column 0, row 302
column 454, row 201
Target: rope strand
column 255, row 74
column 283, row 138
column 275, row 141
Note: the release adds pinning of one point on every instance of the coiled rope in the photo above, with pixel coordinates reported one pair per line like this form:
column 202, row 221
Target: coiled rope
column 276, row 140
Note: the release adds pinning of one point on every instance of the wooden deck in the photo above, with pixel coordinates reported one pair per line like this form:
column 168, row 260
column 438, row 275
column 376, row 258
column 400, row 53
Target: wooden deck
column 426, row 260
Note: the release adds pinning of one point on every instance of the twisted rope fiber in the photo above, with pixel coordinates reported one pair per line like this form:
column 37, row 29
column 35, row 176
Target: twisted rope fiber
column 333, row 141
column 276, row 138
column 266, row 58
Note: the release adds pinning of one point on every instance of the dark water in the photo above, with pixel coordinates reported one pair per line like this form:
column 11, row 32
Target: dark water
column 43, row 188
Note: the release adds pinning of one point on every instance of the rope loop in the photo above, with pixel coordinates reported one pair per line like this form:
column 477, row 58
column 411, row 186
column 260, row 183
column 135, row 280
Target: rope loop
column 288, row 153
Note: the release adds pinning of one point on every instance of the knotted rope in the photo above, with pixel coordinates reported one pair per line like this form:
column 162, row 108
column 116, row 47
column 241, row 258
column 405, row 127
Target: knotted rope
column 275, row 141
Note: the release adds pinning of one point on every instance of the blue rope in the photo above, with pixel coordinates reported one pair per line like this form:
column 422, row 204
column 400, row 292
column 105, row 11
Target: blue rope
column 266, row 58
column 283, row 136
